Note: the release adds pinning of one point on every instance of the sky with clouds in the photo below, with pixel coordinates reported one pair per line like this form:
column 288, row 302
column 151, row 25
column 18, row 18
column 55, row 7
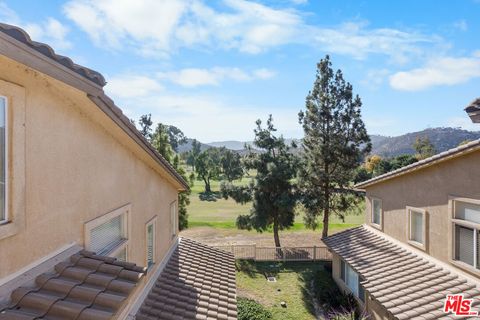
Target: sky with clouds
column 213, row 67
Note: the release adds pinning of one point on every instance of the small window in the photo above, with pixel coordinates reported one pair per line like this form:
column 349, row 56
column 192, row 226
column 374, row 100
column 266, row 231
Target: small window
column 3, row 160
column 352, row 280
column 173, row 218
column 150, row 239
column 108, row 235
column 466, row 232
column 377, row 211
column 417, row 227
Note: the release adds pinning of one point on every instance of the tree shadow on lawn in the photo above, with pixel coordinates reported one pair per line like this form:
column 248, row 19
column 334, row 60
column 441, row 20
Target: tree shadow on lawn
column 305, row 272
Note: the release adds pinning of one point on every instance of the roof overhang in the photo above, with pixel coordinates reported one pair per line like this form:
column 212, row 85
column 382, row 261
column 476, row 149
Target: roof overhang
column 473, row 112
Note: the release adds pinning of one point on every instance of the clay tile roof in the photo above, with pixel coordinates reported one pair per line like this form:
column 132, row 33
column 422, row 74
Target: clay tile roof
column 197, row 283
column 406, row 284
column 443, row 156
column 20, row 35
column 87, row 287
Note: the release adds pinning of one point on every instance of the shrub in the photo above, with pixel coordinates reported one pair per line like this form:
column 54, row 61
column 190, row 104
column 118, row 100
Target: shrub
column 339, row 305
column 249, row 309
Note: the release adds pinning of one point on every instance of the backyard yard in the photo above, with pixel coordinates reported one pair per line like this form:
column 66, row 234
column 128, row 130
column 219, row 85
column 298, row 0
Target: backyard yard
column 213, row 222
column 292, row 286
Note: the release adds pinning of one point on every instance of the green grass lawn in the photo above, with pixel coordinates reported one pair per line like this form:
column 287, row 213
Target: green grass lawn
column 223, row 213
column 292, row 286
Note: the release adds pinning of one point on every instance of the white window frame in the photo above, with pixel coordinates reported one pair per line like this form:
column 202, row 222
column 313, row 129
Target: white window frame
column 6, row 218
column 467, row 224
column 421, row 245
column 372, row 213
column 173, row 219
column 153, row 222
column 122, row 211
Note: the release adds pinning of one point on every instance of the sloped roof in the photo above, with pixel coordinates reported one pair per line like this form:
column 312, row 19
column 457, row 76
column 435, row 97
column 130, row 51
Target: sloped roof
column 441, row 157
column 31, row 49
column 197, row 283
column 20, row 35
column 88, row 287
column 406, row 284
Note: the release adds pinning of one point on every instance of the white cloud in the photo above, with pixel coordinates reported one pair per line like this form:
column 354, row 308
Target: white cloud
column 50, row 31
column 375, row 78
column 159, row 27
column 461, row 25
column 438, row 72
column 131, row 86
column 193, row 77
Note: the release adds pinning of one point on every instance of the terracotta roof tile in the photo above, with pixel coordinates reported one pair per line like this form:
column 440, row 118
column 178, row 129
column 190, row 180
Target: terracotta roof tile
column 88, row 287
column 407, row 285
column 198, row 282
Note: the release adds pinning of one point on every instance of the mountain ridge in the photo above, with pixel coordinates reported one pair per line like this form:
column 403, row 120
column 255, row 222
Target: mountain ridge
column 443, row 138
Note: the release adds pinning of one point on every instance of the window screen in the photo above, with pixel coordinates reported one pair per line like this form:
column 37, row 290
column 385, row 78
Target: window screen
column 377, row 211
column 3, row 148
column 416, row 226
column 150, row 244
column 464, row 244
column 107, row 236
column 342, row 270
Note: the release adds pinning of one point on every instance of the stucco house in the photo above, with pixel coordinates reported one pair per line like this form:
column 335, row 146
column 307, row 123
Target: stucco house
column 420, row 240
column 88, row 209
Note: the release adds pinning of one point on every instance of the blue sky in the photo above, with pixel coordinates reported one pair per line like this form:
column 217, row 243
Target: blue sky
column 213, row 67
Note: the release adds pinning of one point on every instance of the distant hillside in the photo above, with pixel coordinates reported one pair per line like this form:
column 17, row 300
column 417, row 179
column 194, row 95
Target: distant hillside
column 232, row 145
column 188, row 146
column 442, row 138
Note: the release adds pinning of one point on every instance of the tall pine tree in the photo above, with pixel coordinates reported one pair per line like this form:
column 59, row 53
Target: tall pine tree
column 334, row 144
column 272, row 190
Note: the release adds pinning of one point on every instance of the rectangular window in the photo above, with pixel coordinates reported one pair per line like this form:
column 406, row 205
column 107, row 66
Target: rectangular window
column 352, row 280
column 377, row 211
column 150, row 239
column 3, row 160
column 173, row 218
column 416, row 227
column 108, row 235
column 466, row 232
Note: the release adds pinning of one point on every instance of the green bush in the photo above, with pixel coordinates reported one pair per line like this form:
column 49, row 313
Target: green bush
column 249, row 309
column 331, row 298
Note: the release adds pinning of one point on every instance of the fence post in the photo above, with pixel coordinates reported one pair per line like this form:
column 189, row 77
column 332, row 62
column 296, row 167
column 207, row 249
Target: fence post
column 231, row 250
column 314, row 253
column 255, row 252
column 284, row 255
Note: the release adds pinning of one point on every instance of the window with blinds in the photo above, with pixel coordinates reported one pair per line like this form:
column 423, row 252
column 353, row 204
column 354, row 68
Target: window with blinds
column 105, row 237
column 416, row 227
column 377, row 211
column 352, row 280
column 3, row 158
column 466, row 229
column 150, row 243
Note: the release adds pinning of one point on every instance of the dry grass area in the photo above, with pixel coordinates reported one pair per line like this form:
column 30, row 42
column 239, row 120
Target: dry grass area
column 219, row 237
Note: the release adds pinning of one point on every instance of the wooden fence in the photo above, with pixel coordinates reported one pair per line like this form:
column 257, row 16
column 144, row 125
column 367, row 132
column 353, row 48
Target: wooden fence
column 315, row 253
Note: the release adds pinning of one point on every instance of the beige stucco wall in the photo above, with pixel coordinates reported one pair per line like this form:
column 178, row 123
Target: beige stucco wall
column 78, row 165
column 428, row 189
